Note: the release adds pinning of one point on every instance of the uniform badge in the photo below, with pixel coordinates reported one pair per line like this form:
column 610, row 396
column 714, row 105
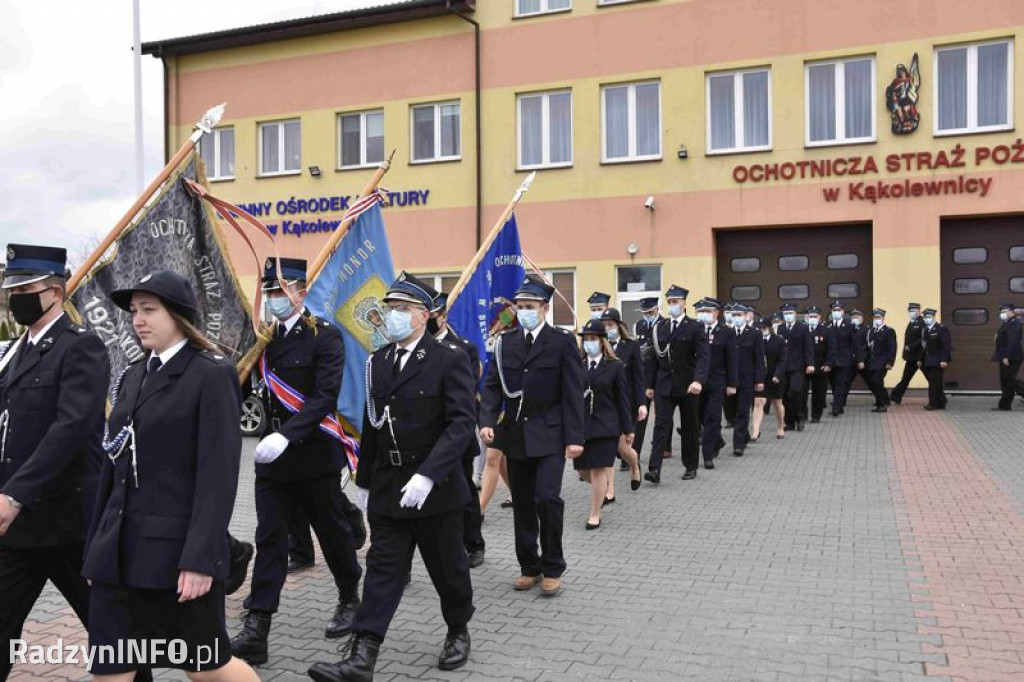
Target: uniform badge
column 420, row 354
column 145, row 279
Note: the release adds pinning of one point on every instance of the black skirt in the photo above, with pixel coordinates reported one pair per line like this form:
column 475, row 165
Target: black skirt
column 194, row 635
column 598, row 453
column 772, row 391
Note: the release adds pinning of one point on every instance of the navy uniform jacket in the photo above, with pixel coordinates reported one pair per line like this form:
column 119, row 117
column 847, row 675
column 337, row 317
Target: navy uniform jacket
column 799, row 347
column 472, row 355
column 912, row 340
column 431, row 407
column 642, row 334
column 722, row 364
column 881, row 348
column 680, row 358
column 551, row 379
column 860, row 343
column 750, row 364
column 188, row 445
column 1008, row 342
column 311, row 360
column 937, row 346
column 819, row 342
column 774, row 358
column 841, row 340
column 632, row 364
column 54, row 397
column 609, row 408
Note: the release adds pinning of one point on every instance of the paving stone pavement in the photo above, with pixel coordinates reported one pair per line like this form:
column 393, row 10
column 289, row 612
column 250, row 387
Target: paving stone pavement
column 818, row 557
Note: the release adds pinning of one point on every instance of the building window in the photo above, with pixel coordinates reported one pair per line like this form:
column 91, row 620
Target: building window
column 745, row 292
column 970, row 316
column 974, row 88
column 794, row 292
column 739, row 111
column 217, row 150
column 633, row 279
column 745, row 264
column 526, row 8
column 843, row 290
column 545, row 129
column 280, row 148
column 970, row 285
column 361, row 139
column 1017, row 285
column 792, row 263
column 1017, row 254
column 970, row 255
column 842, row 261
column 631, row 122
column 602, row 3
column 840, row 101
column 560, row 314
column 436, row 132
column 443, row 282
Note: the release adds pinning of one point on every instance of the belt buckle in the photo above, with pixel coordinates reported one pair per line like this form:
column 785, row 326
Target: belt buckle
column 395, row 457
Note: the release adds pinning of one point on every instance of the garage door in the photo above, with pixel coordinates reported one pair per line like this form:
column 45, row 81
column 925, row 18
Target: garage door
column 805, row 265
column 982, row 266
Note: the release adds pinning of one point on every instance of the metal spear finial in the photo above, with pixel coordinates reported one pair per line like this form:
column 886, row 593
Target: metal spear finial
column 212, row 117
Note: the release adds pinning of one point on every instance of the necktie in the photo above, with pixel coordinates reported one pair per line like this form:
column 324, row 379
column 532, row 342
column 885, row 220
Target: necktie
column 529, row 340
column 675, row 323
column 707, row 330
column 153, row 365
column 593, row 365
column 399, row 354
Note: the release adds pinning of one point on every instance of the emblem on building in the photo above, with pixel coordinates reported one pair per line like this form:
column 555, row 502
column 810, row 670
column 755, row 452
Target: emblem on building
column 901, row 98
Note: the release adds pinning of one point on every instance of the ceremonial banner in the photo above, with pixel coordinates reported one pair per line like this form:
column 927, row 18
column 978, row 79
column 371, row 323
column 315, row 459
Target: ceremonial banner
column 176, row 232
column 349, row 294
column 489, row 291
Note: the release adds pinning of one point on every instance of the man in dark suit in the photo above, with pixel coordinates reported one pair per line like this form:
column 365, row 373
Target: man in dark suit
column 648, row 309
column 721, row 375
column 675, row 379
column 598, row 302
column 841, row 361
column 419, row 423
column 298, row 463
column 799, row 365
column 750, row 373
column 472, row 520
column 881, row 356
column 1009, row 354
column 860, row 345
column 53, row 384
column 536, row 378
column 936, row 354
column 816, row 386
column 911, row 351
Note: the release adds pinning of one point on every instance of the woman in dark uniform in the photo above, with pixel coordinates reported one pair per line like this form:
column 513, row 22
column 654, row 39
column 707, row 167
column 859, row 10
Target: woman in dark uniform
column 627, row 350
column 157, row 554
column 774, row 380
column 608, row 413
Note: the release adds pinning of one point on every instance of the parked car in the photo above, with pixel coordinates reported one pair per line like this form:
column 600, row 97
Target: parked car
column 254, row 414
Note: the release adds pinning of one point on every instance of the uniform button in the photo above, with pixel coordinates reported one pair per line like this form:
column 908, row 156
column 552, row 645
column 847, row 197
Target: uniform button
column 525, row 371
column 120, row 512
column 526, row 419
column 123, row 481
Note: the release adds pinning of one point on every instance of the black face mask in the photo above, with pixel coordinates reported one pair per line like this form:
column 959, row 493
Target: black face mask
column 28, row 308
column 432, row 326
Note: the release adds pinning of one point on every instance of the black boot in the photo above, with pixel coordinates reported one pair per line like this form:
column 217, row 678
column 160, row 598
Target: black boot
column 241, row 555
column 250, row 644
column 357, row 666
column 344, row 614
column 355, row 519
column 455, row 652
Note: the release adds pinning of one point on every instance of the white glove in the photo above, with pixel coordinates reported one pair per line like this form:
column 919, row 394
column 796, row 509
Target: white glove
column 270, row 448
column 416, row 491
column 360, row 497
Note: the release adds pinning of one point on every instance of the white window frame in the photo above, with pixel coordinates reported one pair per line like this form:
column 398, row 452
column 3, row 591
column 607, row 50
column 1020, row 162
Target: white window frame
column 972, row 89
column 738, row 99
column 550, row 274
column 437, row 132
column 544, row 9
column 545, row 130
column 215, row 135
column 840, row 102
column 435, row 279
column 632, row 156
column 362, row 139
column 605, row 3
column 280, row 148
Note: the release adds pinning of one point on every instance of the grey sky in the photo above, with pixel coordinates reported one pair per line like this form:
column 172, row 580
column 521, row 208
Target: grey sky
column 66, row 105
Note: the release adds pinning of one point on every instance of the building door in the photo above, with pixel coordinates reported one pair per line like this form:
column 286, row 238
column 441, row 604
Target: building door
column 982, row 267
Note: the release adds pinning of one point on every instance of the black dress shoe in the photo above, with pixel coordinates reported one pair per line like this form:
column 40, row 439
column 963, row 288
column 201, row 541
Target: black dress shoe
column 607, row 501
column 880, row 408
column 294, row 565
column 898, row 401
column 344, row 614
column 592, row 526
column 360, row 659
column 799, row 426
column 833, row 413
column 455, row 652
column 690, row 475
column 239, row 567
column 930, row 407
column 738, row 452
column 476, row 558
column 250, row 644
column 654, row 476
column 710, row 464
column 815, row 420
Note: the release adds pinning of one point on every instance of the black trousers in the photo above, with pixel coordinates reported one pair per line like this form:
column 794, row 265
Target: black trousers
column 1009, row 384
column 741, row 423
column 730, row 406
column 711, row 400
column 300, row 539
column 815, row 389
column 909, row 370
column 793, row 401
column 841, row 379
column 439, row 539
column 876, row 383
column 472, row 521
column 689, row 423
column 322, row 501
column 23, row 575
column 936, row 388
column 538, row 513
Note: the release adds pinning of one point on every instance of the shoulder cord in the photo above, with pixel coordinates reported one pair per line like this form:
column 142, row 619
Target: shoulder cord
column 125, row 437
column 371, row 407
column 509, row 395
column 654, row 337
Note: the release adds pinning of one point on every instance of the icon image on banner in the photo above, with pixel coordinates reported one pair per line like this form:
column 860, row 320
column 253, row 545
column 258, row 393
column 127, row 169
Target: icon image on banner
column 363, row 315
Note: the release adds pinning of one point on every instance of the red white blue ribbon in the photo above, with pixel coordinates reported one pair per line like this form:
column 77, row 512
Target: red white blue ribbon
column 293, row 402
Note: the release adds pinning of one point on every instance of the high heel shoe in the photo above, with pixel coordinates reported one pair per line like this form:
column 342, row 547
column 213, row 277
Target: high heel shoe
column 593, row 526
column 607, row 501
column 634, row 483
column 753, row 439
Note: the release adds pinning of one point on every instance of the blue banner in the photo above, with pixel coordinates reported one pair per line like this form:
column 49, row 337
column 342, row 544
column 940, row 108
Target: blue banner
column 349, row 294
column 489, row 291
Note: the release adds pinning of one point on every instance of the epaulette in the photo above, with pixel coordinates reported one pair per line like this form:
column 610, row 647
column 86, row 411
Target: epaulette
column 212, row 356
column 503, row 332
column 323, row 323
column 78, row 329
column 446, row 344
column 565, row 331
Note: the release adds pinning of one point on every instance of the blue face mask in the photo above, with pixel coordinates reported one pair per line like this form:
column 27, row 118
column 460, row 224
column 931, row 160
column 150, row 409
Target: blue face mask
column 675, row 310
column 279, row 306
column 738, row 321
column 856, row 322
column 766, row 334
column 812, row 322
column 929, row 320
column 528, row 319
column 399, row 325
column 790, row 318
column 651, row 319
column 704, row 318
column 878, row 323
column 595, row 314
column 837, row 315
column 592, row 348
column 613, row 334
